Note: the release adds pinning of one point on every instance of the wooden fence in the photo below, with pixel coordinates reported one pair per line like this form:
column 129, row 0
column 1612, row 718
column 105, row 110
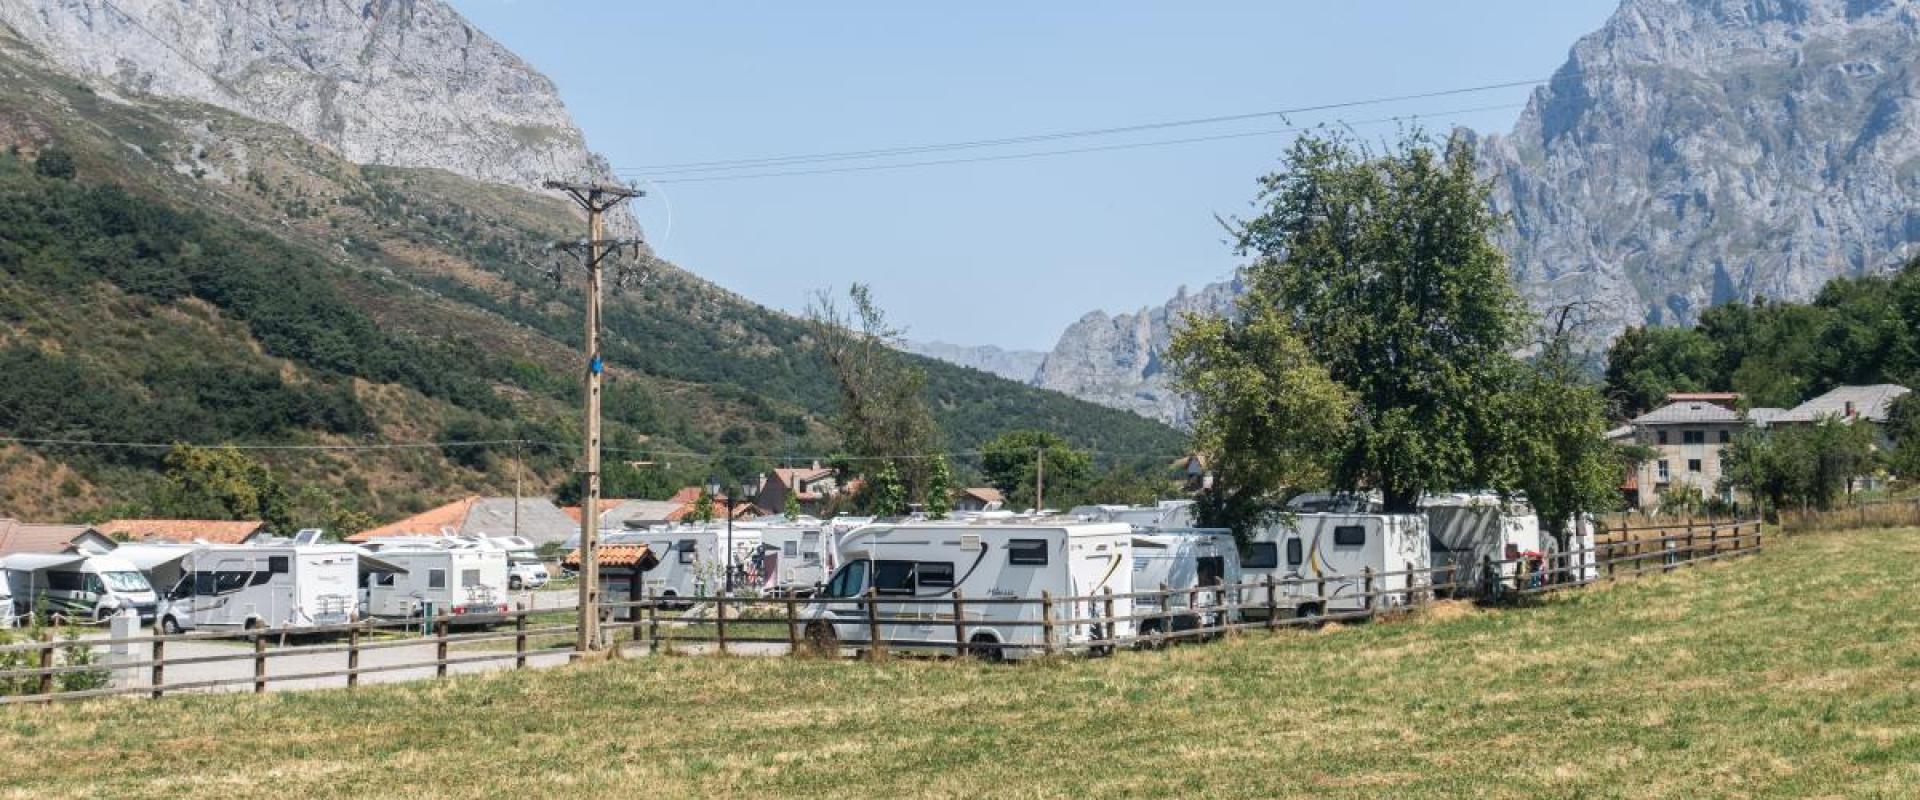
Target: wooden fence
column 871, row 625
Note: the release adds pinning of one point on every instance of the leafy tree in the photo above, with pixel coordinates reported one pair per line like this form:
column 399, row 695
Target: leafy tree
column 887, row 497
column 1903, row 427
column 792, row 509
column 54, row 163
column 1386, row 268
column 222, row 483
column 702, row 507
column 1800, row 465
column 1266, row 415
column 883, row 408
column 1013, row 461
column 1646, row 364
column 939, row 493
column 1557, row 440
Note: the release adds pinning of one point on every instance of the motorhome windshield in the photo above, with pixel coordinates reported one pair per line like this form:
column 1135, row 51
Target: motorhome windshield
column 849, row 581
column 126, row 582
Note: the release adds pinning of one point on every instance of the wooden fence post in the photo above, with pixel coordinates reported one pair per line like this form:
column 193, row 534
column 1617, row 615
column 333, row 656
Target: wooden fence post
column 353, row 656
column 1273, row 604
column 159, row 679
column 875, row 648
column 46, row 663
column 1366, row 586
column 653, row 621
column 959, row 625
column 1166, row 618
column 720, row 621
column 259, row 663
column 1046, row 621
column 1111, row 627
column 1489, row 579
column 440, row 649
column 793, row 630
column 520, row 637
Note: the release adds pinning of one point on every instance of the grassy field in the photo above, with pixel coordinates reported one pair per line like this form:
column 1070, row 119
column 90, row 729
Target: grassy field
column 1793, row 674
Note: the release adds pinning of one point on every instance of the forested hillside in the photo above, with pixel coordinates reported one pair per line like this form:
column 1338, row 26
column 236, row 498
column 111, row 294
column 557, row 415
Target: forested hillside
column 172, row 272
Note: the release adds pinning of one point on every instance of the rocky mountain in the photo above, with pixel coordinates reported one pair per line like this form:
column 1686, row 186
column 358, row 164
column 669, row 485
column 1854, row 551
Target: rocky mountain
column 1115, row 360
column 1014, row 365
column 405, row 83
column 1690, row 152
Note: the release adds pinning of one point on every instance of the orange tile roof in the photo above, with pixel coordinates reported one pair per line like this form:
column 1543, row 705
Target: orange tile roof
column 211, row 531
column 571, row 511
column 426, row 523
column 985, row 494
column 618, row 555
column 34, row 537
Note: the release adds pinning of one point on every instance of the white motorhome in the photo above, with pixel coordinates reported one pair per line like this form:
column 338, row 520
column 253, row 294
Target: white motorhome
column 467, row 585
column 692, row 563
column 915, row 568
column 1193, row 562
column 1321, row 560
column 793, row 559
column 78, row 586
column 525, row 570
column 276, row 586
column 6, row 603
column 1467, row 530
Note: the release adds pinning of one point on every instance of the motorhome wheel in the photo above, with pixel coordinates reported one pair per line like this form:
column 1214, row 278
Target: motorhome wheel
column 822, row 640
column 170, row 626
column 513, row 582
column 985, row 647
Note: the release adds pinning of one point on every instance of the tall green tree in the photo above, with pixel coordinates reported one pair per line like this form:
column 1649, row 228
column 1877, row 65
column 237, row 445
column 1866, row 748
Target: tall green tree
column 703, row 507
column 884, row 414
column 1015, row 460
column 1903, row 428
column 1557, row 448
column 1266, row 416
column 1647, row 363
column 1806, row 466
column 221, row 483
column 1385, row 265
column 939, row 494
column 887, row 496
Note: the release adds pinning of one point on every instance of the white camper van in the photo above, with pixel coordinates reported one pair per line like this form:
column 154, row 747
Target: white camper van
column 793, row 559
column 465, row 585
column 1309, row 551
column 1194, row 562
column 691, row 557
column 525, row 570
column 263, row 586
column 78, row 586
column 929, row 561
column 1468, row 529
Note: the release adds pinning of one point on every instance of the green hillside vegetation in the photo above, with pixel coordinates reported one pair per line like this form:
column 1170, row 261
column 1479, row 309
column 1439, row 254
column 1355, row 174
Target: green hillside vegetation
column 1861, row 330
column 173, row 272
column 1791, row 674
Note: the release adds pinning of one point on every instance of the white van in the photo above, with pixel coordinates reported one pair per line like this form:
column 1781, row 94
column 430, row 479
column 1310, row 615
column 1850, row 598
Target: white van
column 263, row 586
column 929, row 561
column 78, row 586
column 525, row 570
column 464, row 585
column 792, row 559
column 1193, row 562
column 1466, row 530
column 1322, row 559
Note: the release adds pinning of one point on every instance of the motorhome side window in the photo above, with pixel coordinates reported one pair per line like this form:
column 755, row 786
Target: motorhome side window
column 850, row 581
column 1349, row 536
column 893, row 577
column 64, row 581
column 277, row 565
column 1261, row 555
column 469, row 578
column 1027, row 552
column 685, row 547
column 1296, row 553
column 935, row 575
column 810, row 542
column 436, row 579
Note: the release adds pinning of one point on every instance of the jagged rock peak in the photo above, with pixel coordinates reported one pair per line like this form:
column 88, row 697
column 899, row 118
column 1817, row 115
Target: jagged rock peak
column 395, row 82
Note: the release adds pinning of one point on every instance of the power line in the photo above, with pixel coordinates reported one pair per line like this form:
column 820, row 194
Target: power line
column 1068, row 151
column 537, row 443
column 708, row 166
column 238, row 446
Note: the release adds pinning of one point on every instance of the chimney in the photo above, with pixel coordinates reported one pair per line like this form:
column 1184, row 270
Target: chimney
column 1849, row 409
column 816, row 465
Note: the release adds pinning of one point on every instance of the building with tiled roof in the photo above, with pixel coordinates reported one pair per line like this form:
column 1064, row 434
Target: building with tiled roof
column 1689, row 436
column 1849, row 403
column 37, row 537
column 184, row 531
column 979, row 498
column 536, row 519
column 812, row 487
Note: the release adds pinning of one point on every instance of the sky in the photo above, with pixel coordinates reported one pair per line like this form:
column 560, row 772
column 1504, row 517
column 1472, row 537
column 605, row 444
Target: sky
column 1005, row 252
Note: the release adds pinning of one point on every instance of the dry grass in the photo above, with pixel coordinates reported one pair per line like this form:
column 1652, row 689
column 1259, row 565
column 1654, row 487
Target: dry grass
column 1793, row 674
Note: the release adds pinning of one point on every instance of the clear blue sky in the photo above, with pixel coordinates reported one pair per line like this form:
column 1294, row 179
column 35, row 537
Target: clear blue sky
column 1006, row 252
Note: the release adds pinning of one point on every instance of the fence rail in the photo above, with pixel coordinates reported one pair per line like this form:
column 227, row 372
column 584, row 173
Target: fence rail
column 943, row 625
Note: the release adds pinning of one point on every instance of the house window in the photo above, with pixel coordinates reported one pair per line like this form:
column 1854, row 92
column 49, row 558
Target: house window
column 1027, row 552
column 1261, row 555
column 1693, row 437
column 1726, row 436
column 1693, row 465
column 1663, row 437
column 1349, row 536
column 1665, row 474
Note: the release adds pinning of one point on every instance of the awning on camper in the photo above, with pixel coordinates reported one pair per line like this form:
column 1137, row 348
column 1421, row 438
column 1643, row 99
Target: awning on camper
column 149, row 558
column 34, row 562
column 369, row 564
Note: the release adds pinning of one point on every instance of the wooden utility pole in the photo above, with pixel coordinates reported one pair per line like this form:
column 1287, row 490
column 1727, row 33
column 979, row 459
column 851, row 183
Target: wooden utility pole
column 596, row 200
column 1039, row 480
